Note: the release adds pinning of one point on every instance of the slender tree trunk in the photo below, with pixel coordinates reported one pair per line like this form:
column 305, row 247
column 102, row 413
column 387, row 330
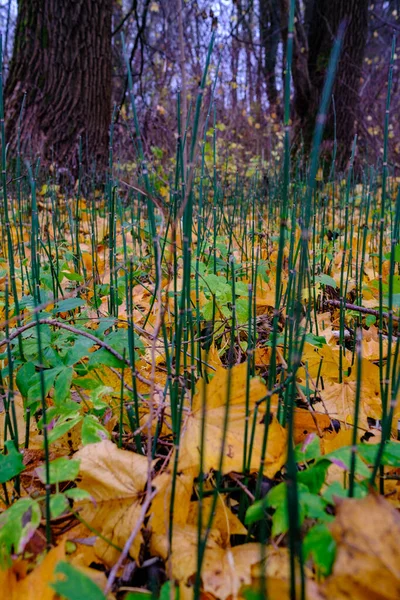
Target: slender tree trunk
column 62, row 60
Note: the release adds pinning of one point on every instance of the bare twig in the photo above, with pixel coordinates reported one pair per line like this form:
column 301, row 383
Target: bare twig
column 129, row 542
column 361, row 309
column 55, row 323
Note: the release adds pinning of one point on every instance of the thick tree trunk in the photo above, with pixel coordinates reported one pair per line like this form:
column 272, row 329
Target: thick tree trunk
column 62, row 60
column 325, row 19
column 270, row 35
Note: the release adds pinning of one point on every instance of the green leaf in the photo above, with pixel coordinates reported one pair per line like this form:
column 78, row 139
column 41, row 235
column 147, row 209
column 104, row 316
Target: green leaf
column 326, row 280
column 24, row 375
column 69, row 304
column 63, row 427
column 370, row 320
column 87, row 384
column 309, row 449
column 11, row 464
column 35, row 390
column 255, row 512
column 79, row 350
column 104, row 358
column 63, row 385
column 314, row 506
column 61, row 469
column 215, row 283
column 75, row 585
column 207, row 311
column 390, row 456
column 337, row 490
column 166, row 592
column 315, row 340
column 314, row 477
column 93, row 431
column 242, row 310
column 320, row 545
column 58, row 504
column 72, row 276
column 17, row 525
column 342, row 458
column 241, row 289
column 77, row 494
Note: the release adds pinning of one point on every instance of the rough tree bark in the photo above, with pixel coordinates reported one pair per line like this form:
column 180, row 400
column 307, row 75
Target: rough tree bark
column 325, row 16
column 270, row 35
column 62, row 60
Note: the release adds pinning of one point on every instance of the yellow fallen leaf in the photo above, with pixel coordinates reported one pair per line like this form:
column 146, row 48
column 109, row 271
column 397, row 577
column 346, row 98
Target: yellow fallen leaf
column 224, row 571
column 339, row 400
column 20, row 414
column 306, row 422
column 34, row 586
column 224, row 520
column 116, row 480
column 215, row 395
column 161, row 504
column 367, row 565
column 312, row 357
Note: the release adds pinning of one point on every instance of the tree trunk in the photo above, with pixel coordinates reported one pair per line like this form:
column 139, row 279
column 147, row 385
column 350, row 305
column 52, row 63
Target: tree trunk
column 324, row 22
column 270, row 35
column 62, row 60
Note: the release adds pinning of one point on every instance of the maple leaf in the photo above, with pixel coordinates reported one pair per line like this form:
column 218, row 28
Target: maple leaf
column 116, row 480
column 161, row 504
column 227, row 571
column 215, row 397
column 339, row 398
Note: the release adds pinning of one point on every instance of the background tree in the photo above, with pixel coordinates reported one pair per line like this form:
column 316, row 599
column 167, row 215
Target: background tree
column 250, row 44
column 315, row 34
column 62, row 61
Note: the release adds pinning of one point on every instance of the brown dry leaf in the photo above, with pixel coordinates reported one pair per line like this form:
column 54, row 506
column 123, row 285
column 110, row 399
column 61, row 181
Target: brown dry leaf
column 367, row 565
column 115, row 479
column 34, row 586
column 215, row 397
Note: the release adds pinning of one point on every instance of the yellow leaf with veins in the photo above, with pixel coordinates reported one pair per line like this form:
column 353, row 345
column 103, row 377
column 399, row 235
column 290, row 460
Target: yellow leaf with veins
column 160, row 506
column 116, row 480
column 226, row 572
column 215, row 395
column 223, row 520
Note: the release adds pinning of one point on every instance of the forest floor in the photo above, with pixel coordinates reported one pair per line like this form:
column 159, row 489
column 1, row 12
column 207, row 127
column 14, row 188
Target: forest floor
column 202, row 404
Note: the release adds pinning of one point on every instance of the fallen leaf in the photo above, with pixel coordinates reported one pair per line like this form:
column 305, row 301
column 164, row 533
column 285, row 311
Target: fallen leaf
column 215, row 394
column 224, row 520
column 34, row 586
column 367, row 565
column 116, row 480
column 161, row 504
